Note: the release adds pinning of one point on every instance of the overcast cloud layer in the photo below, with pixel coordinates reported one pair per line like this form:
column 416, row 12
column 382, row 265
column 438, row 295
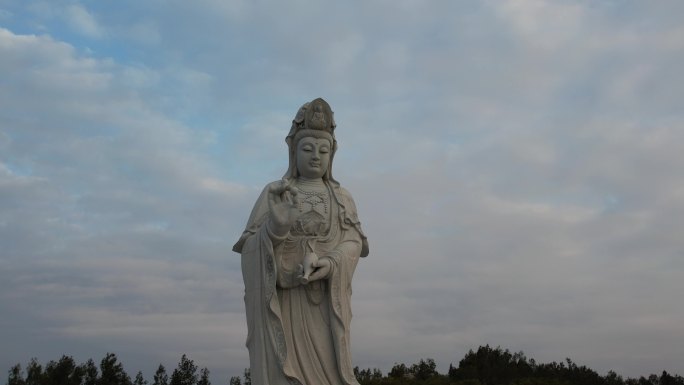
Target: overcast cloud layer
column 517, row 167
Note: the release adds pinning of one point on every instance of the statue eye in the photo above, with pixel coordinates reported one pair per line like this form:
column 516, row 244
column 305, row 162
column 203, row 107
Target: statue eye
column 307, row 148
column 325, row 150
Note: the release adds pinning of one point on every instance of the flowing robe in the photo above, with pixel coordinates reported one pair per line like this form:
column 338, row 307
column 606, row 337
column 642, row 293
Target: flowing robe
column 299, row 334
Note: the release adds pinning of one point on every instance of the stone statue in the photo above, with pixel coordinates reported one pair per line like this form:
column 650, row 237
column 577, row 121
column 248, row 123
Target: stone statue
column 299, row 251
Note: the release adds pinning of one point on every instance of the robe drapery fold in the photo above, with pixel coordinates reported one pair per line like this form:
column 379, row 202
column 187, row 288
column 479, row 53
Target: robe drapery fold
column 300, row 334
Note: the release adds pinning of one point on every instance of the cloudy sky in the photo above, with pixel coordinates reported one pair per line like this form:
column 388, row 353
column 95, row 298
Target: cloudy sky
column 517, row 166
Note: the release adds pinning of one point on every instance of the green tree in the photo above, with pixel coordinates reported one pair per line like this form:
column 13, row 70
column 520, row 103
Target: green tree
column 492, row 366
column 160, row 376
column 112, row 372
column 16, row 376
column 90, row 373
column 424, row 369
column 486, row 366
column 185, row 373
column 398, row 371
column 667, row 379
column 367, row 376
column 613, row 378
column 34, row 372
column 204, row 377
column 139, row 380
column 63, row 372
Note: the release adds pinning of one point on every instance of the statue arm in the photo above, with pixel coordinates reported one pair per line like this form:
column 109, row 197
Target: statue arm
column 349, row 218
column 346, row 253
column 260, row 217
column 256, row 218
column 348, row 249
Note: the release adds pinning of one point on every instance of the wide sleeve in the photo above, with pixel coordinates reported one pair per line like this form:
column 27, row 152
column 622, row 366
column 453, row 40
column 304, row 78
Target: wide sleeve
column 345, row 256
column 265, row 336
column 349, row 217
column 257, row 217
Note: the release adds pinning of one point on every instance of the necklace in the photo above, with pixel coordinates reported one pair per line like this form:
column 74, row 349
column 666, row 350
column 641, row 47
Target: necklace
column 314, row 194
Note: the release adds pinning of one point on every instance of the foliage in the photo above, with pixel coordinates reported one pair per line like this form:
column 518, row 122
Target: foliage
column 367, row 375
column 34, row 372
column 160, row 376
column 111, row 372
column 15, row 376
column 185, row 373
column 204, row 377
column 248, row 377
column 90, row 374
column 423, row 370
column 139, row 380
column 235, row 380
column 486, row 366
column 495, row 366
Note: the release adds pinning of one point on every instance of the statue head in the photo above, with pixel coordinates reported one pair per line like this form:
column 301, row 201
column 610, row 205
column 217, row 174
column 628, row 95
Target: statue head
column 313, row 121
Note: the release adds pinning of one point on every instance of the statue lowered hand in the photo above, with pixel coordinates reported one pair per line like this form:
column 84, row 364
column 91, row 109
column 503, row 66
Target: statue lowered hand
column 307, row 267
column 322, row 267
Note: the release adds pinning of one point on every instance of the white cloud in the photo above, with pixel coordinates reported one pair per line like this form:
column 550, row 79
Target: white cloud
column 541, row 23
column 114, row 195
column 516, row 167
column 145, row 32
column 83, row 21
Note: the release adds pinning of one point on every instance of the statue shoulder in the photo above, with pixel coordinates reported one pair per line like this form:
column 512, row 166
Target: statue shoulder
column 344, row 194
column 256, row 218
column 345, row 198
column 348, row 210
column 349, row 217
column 268, row 185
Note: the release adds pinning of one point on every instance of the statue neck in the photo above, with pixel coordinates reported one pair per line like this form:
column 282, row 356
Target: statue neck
column 308, row 184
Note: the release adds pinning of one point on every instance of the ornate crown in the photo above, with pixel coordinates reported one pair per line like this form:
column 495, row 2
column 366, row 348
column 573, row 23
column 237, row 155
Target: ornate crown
column 313, row 119
column 314, row 115
column 319, row 116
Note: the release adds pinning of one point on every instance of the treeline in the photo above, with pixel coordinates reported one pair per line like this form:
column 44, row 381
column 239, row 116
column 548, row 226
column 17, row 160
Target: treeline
column 486, row 366
column 110, row 372
column 494, row 366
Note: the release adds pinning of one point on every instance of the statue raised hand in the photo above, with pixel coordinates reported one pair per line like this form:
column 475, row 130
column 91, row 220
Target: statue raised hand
column 283, row 208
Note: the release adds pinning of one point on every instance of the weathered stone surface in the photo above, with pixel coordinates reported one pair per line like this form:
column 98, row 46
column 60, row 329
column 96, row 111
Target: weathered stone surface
column 299, row 252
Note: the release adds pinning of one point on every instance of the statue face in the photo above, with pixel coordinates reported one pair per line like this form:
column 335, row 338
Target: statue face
column 313, row 157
